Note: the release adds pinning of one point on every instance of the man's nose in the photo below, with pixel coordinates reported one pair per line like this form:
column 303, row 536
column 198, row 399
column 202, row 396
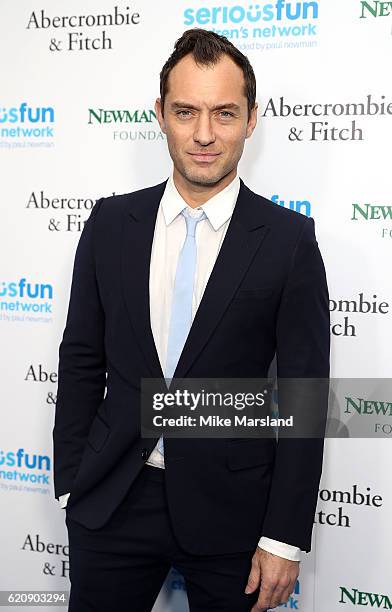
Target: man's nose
column 204, row 133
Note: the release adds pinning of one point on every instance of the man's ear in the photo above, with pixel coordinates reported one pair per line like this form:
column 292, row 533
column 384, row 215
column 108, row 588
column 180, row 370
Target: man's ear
column 158, row 112
column 252, row 121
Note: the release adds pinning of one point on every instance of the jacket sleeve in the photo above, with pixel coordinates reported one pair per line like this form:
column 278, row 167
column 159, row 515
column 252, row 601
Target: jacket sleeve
column 82, row 365
column 303, row 347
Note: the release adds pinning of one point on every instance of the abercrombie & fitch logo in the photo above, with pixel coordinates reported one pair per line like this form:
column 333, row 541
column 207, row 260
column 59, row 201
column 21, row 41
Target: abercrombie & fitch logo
column 75, row 29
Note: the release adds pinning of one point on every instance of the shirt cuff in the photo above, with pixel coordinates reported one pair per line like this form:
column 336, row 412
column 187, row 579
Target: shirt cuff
column 63, row 499
column 287, row 551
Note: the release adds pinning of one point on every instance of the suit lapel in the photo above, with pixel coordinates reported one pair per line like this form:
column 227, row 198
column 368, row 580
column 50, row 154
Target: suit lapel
column 138, row 233
column 244, row 236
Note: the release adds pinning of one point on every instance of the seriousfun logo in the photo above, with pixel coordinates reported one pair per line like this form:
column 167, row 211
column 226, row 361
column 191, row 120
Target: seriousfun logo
column 268, row 26
column 21, row 298
column 24, row 125
column 145, row 119
column 364, row 598
column 28, row 467
column 301, row 206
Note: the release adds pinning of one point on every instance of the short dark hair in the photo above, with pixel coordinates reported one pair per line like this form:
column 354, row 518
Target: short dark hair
column 207, row 47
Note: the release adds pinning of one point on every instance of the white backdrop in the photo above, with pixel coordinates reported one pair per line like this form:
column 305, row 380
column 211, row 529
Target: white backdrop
column 65, row 140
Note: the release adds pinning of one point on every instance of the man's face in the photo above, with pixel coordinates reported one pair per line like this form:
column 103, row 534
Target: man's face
column 205, row 119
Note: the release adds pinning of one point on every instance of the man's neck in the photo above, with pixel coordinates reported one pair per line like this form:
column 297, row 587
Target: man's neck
column 195, row 195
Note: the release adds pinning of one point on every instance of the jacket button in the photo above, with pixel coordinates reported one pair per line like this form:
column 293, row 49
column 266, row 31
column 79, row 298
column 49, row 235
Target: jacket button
column 144, row 454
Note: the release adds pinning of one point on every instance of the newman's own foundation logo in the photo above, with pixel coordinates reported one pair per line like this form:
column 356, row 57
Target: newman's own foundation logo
column 144, row 119
column 375, row 8
column 365, row 598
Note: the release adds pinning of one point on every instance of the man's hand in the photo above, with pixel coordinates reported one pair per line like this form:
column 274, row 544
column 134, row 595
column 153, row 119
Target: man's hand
column 277, row 577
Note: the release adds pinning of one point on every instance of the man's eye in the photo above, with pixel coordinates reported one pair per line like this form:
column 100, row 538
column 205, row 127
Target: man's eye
column 223, row 114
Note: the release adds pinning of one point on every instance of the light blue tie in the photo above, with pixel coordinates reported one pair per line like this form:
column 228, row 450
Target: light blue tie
column 181, row 309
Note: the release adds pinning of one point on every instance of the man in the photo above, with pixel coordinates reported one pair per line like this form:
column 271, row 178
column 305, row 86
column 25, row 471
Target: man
column 194, row 277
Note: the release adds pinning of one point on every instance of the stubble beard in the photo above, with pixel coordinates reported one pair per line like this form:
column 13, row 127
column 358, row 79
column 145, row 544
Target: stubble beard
column 199, row 178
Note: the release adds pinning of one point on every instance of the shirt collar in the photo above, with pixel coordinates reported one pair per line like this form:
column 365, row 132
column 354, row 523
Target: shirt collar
column 218, row 208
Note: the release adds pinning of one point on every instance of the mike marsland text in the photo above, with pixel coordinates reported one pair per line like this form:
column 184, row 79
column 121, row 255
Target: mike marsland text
column 218, row 421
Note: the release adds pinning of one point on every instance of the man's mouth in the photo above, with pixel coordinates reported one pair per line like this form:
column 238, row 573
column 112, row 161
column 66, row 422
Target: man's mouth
column 204, row 157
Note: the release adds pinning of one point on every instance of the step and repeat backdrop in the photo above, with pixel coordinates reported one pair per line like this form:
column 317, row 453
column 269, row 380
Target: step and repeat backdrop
column 77, row 122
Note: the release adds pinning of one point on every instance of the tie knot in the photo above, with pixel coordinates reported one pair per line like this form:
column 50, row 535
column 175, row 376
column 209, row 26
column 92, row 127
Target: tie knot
column 191, row 221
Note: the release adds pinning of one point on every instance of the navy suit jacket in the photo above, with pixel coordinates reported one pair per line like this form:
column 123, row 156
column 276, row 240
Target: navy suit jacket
column 267, row 296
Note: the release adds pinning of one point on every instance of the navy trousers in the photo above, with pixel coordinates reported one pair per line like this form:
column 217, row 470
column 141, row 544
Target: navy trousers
column 122, row 566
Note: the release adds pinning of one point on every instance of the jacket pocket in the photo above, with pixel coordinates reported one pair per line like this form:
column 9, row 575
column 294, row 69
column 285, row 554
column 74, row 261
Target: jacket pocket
column 247, row 453
column 253, row 294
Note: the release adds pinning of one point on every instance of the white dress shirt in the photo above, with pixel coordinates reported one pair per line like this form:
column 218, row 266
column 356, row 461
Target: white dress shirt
column 169, row 236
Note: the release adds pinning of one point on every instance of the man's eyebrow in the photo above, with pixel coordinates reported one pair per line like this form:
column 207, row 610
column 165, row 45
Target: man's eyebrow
column 182, row 104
